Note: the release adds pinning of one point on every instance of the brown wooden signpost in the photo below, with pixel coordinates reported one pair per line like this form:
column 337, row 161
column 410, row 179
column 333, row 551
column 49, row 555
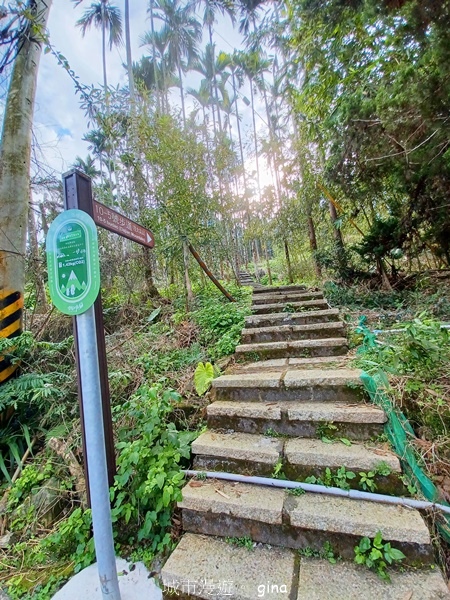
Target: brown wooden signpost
column 113, row 221
column 78, row 194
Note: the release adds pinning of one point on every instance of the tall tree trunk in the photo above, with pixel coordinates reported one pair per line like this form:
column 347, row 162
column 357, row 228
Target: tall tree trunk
column 15, row 173
column 269, row 272
column 183, row 108
column 256, row 139
column 241, row 148
column 150, row 287
column 216, row 92
column 313, row 242
column 187, row 280
column 105, row 78
column 288, row 260
column 44, row 221
column 128, row 50
column 336, row 230
column 159, row 100
column 384, row 278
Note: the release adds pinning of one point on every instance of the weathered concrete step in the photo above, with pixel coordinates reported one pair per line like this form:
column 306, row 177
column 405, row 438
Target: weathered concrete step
column 237, row 452
column 316, row 385
column 294, row 348
column 296, row 318
column 258, row 309
column 281, row 333
column 206, row 567
column 220, row 570
column 320, row 580
column 282, row 364
column 305, row 457
column 273, row 516
column 301, row 419
column 286, row 298
column 283, row 289
column 297, row 458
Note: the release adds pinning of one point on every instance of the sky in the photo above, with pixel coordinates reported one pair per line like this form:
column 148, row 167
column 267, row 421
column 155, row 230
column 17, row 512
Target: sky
column 59, row 122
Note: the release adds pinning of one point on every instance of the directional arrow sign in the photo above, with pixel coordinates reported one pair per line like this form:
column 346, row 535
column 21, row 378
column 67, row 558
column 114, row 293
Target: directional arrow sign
column 113, row 221
column 72, row 260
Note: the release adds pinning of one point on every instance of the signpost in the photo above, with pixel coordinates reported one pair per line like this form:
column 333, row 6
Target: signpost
column 72, row 254
column 74, row 282
column 78, row 195
column 113, row 221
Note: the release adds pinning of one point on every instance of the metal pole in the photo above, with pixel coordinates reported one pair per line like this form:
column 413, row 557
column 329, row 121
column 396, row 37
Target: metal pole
column 96, row 455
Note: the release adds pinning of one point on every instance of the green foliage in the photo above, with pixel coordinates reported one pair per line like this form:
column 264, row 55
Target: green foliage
column 31, row 477
column 377, row 555
column 367, row 481
column 296, row 491
column 362, row 297
column 159, row 363
column 326, row 432
column 149, row 477
column 420, row 348
column 270, row 432
column 341, row 478
column 40, row 398
column 384, row 236
column 327, row 552
column 373, row 76
column 241, row 542
column 420, row 354
column 73, row 540
column 42, row 565
column 203, row 376
column 220, row 325
column 278, row 472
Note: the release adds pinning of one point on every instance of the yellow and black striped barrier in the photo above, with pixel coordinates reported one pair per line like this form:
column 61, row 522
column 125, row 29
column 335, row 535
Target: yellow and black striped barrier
column 11, row 306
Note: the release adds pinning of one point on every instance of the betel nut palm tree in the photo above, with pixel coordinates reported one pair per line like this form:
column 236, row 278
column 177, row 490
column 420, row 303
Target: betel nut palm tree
column 106, row 17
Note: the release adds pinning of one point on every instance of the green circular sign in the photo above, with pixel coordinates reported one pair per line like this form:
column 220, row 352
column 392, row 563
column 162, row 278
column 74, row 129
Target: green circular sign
column 72, row 261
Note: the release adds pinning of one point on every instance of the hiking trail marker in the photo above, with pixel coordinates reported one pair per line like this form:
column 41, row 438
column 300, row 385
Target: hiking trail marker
column 72, row 260
column 74, row 283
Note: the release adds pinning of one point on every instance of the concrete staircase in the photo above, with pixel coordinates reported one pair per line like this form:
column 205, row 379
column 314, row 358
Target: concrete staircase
column 300, row 413
column 247, row 279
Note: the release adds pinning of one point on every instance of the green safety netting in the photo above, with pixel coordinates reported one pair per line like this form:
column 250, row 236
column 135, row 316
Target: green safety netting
column 400, row 434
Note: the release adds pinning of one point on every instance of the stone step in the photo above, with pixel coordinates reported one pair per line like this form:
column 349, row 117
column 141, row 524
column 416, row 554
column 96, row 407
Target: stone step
column 237, row 453
column 206, row 567
column 280, row 333
column 301, row 419
column 294, row 348
column 303, row 458
column 286, row 298
column 320, row 580
column 317, row 385
column 304, row 305
column 296, row 318
column 297, row 458
column 283, row 289
column 273, row 516
column 282, row 364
